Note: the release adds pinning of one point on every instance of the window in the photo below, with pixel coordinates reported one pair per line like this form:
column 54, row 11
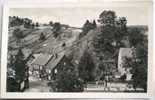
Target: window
column 49, row 71
column 64, row 63
column 55, row 71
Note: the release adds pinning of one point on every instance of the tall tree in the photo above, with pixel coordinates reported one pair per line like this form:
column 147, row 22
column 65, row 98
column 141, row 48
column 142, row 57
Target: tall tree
column 42, row 36
column 67, row 79
column 51, row 23
column 87, row 27
column 20, row 66
column 37, row 24
column 107, row 18
column 94, row 24
column 18, row 34
column 86, row 67
column 112, row 32
column 56, row 29
column 135, row 37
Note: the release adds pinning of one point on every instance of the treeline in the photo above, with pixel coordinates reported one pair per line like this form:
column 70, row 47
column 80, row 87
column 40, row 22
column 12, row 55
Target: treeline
column 17, row 21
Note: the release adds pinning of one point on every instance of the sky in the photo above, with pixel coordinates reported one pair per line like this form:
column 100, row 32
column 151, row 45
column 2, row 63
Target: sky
column 76, row 16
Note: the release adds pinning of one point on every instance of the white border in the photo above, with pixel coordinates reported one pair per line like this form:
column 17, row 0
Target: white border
column 73, row 95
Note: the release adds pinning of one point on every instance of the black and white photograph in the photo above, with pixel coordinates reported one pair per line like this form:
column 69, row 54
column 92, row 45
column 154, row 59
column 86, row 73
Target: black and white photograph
column 77, row 49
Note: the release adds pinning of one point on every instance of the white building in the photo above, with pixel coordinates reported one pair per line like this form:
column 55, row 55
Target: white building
column 123, row 54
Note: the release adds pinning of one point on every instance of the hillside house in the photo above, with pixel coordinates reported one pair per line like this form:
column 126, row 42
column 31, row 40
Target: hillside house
column 47, row 65
column 58, row 64
column 38, row 64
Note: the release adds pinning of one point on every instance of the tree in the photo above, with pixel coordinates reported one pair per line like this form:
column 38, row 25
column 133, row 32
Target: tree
column 27, row 22
column 19, row 72
column 86, row 67
column 18, row 34
column 56, row 29
column 67, row 82
column 139, row 67
column 113, row 30
column 86, row 27
column 32, row 25
column 67, row 79
column 103, row 40
column 12, row 85
column 15, row 21
column 42, row 37
column 37, row 24
column 94, row 24
column 107, row 18
column 135, row 37
column 20, row 66
column 51, row 23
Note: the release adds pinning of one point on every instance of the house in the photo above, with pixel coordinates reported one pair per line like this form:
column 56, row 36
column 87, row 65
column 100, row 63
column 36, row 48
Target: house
column 38, row 64
column 58, row 64
column 47, row 65
column 123, row 54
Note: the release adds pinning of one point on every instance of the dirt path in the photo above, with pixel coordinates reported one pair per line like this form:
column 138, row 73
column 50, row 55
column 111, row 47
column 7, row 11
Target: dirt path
column 36, row 85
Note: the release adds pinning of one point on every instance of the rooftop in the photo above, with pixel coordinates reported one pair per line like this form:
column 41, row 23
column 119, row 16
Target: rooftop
column 55, row 60
column 42, row 59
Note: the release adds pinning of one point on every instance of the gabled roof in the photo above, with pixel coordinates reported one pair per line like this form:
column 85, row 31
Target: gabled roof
column 42, row 60
column 54, row 61
column 126, row 52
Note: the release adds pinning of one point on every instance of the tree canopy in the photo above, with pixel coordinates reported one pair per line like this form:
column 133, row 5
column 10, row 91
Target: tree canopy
column 86, row 67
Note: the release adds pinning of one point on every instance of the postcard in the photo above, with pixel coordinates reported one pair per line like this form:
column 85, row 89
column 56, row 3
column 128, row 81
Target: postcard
column 77, row 50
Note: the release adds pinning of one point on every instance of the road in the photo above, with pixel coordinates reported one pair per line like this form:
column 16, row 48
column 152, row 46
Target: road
column 36, row 85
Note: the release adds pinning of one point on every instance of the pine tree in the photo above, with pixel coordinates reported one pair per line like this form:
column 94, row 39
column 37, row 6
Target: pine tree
column 94, row 24
column 20, row 66
column 42, row 36
column 86, row 67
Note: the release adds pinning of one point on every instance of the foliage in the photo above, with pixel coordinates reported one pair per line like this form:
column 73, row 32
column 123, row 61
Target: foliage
column 113, row 30
column 20, row 66
column 107, row 18
column 42, row 37
column 87, row 27
column 37, row 24
column 94, row 24
column 27, row 23
column 51, row 23
column 139, row 67
column 135, row 37
column 56, row 29
column 15, row 21
column 12, row 85
column 67, row 80
column 86, row 67
column 17, row 33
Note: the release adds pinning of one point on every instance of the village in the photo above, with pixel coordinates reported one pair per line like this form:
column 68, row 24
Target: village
column 61, row 58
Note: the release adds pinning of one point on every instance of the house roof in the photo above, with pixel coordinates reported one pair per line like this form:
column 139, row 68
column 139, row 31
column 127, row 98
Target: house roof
column 55, row 60
column 123, row 53
column 43, row 59
column 126, row 52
